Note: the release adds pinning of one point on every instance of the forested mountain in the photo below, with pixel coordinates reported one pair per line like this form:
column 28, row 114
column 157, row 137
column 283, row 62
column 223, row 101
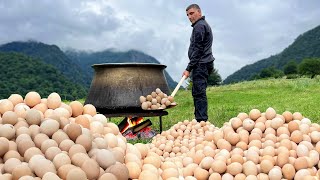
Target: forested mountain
column 76, row 65
column 87, row 59
column 50, row 54
column 21, row 74
column 307, row 45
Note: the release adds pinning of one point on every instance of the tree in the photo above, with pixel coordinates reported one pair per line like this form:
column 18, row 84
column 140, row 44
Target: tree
column 310, row 67
column 271, row 72
column 290, row 68
column 214, row 78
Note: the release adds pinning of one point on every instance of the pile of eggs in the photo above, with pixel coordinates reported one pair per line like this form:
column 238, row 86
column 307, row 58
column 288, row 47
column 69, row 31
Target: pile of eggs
column 250, row 146
column 44, row 138
column 156, row 100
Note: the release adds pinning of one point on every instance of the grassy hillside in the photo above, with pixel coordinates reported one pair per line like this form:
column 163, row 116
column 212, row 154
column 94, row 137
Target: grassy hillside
column 295, row 95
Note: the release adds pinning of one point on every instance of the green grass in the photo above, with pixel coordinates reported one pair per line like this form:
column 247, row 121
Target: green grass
column 227, row 101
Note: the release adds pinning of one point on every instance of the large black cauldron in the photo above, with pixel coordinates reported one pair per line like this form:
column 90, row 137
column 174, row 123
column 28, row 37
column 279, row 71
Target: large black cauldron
column 117, row 87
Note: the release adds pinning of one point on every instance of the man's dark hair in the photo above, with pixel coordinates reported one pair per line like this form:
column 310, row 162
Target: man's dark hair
column 196, row 6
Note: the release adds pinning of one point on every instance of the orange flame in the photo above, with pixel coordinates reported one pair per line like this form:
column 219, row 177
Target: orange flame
column 132, row 122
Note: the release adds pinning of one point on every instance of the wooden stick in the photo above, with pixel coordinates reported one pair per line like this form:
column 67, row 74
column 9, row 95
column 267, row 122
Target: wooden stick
column 178, row 86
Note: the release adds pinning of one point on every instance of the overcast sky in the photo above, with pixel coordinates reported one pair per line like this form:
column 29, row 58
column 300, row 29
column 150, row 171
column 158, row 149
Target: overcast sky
column 245, row 31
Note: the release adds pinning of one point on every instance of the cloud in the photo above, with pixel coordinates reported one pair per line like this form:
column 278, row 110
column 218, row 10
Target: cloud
column 244, row 31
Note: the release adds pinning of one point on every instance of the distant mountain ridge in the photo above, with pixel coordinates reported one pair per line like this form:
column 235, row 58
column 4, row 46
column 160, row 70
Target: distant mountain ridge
column 76, row 65
column 50, row 54
column 21, row 74
column 307, row 45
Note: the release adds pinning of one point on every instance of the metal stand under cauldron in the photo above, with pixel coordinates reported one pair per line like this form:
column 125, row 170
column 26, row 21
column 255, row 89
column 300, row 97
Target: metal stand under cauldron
column 116, row 88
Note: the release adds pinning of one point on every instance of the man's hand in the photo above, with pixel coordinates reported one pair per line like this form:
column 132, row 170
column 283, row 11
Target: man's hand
column 186, row 73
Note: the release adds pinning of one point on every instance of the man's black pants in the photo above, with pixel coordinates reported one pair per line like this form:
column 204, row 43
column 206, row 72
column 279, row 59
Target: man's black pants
column 200, row 74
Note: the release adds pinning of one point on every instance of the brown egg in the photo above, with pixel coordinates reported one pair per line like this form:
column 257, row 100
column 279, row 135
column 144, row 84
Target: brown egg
column 85, row 141
column 91, row 168
column 236, row 123
column 9, row 117
column 65, row 169
column 233, row 138
column 32, row 98
column 66, row 144
column 114, row 127
column 48, row 113
column 76, row 173
column 297, row 116
column 46, row 144
column 170, row 172
column 234, row 168
column 8, row 131
column 10, row 164
column 73, row 131
column 59, row 136
column 42, row 166
column 134, row 170
column 89, row 109
column 24, row 145
column 242, row 116
column 219, row 166
column 53, row 101
column 201, row 174
column 119, row 170
column 77, row 108
column 83, row 121
column 50, row 176
column 60, row 160
column 254, row 114
column 49, row 127
column 152, row 160
column 12, row 154
column 215, row 176
column 103, row 154
column 300, row 163
column 288, row 171
column 270, row 113
column 118, row 154
column 52, row 152
column 296, row 136
column 15, row 99
column 77, row 148
column 108, row 176
column 31, row 152
column 20, row 171
column 248, row 124
column 4, row 146
column 266, row 165
column 61, row 112
column 41, row 107
column 130, row 157
column 79, row 158
column 33, row 116
column 249, row 168
column 5, row 105
column 39, row 139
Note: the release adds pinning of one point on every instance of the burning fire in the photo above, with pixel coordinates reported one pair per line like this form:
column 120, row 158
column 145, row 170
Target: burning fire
column 131, row 121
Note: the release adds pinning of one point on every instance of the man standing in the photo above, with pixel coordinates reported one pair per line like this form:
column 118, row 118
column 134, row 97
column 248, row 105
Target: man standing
column 201, row 60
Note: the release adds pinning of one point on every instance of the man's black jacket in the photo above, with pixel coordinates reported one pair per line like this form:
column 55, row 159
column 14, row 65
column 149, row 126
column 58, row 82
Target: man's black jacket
column 200, row 50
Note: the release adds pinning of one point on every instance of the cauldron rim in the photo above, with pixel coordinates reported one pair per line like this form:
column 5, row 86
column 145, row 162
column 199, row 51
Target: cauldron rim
column 127, row 64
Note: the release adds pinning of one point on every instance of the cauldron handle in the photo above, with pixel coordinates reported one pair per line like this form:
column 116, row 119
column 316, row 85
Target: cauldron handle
column 178, row 86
